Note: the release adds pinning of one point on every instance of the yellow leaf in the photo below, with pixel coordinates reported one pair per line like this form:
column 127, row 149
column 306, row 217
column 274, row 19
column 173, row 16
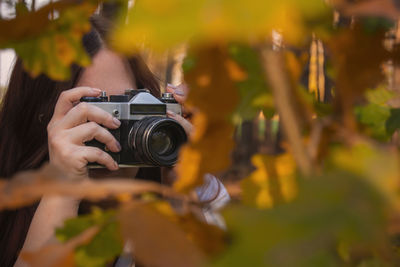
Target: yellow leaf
column 379, row 167
column 214, row 95
column 64, row 51
column 188, row 169
column 286, row 167
column 207, row 21
column 271, row 182
column 235, row 71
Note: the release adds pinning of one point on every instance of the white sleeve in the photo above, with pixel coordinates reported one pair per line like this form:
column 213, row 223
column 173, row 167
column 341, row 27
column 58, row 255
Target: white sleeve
column 214, row 191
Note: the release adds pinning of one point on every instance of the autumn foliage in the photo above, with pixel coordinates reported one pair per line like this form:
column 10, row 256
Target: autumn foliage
column 295, row 108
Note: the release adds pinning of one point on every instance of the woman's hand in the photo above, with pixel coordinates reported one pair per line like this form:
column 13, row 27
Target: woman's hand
column 180, row 93
column 72, row 125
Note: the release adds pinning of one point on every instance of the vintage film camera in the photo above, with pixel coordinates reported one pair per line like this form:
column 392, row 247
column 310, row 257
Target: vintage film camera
column 147, row 136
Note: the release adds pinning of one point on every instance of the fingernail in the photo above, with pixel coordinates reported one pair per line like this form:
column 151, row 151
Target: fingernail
column 116, row 122
column 179, row 92
column 116, row 165
column 118, row 145
column 171, row 86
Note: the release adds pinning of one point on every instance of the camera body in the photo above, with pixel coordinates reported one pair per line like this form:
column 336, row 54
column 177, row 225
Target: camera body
column 147, row 136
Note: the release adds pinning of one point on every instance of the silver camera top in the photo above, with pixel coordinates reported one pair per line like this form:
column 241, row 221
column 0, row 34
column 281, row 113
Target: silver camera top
column 135, row 104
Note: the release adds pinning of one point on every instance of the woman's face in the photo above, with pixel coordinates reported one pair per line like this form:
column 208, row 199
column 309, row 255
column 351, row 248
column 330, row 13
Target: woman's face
column 108, row 72
column 112, row 74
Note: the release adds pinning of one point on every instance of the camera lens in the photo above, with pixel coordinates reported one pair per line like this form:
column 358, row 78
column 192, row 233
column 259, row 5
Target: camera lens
column 161, row 142
column 156, row 140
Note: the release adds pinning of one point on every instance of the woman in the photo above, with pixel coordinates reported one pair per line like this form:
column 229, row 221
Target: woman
column 41, row 121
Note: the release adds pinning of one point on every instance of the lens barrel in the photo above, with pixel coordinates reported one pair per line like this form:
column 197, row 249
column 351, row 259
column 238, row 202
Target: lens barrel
column 156, row 140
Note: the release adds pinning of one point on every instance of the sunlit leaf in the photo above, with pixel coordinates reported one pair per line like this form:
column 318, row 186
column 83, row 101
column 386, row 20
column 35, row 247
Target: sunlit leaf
column 272, row 182
column 335, row 207
column 378, row 166
column 50, row 46
column 375, row 116
column 174, row 21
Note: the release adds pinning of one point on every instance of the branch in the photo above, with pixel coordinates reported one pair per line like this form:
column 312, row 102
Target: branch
column 274, row 67
column 28, row 187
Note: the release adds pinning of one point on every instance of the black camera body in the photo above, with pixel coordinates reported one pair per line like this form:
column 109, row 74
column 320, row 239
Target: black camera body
column 147, row 136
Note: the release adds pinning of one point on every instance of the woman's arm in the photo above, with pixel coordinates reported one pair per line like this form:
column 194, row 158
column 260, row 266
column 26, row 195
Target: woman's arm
column 44, row 222
column 50, row 214
column 70, row 126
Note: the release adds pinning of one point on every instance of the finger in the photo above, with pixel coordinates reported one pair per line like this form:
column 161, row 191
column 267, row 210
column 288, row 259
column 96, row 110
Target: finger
column 67, row 99
column 94, row 154
column 180, row 92
column 187, row 126
column 84, row 112
column 170, row 88
column 91, row 130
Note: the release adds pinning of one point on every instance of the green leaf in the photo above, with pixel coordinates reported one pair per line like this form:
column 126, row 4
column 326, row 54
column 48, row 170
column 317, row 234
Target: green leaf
column 50, row 46
column 376, row 113
column 104, row 247
column 373, row 24
column 393, row 123
column 336, row 207
column 254, row 91
column 379, row 96
column 374, row 116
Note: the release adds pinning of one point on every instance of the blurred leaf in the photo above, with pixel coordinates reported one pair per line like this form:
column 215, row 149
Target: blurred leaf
column 356, row 72
column 337, row 207
column 50, row 46
column 174, row 21
column 376, row 113
column 373, row 24
column 377, row 166
column 214, row 95
column 379, row 8
column 106, row 244
column 379, row 96
column 59, row 254
column 272, row 181
column 156, row 240
column 375, row 116
column 393, row 122
column 209, row 238
column 254, row 92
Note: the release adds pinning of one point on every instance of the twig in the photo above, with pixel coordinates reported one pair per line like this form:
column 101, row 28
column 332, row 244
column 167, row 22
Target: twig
column 275, row 71
column 28, row 187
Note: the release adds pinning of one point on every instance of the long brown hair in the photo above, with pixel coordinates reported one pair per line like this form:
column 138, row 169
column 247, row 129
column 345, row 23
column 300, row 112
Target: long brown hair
column 26, row 109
